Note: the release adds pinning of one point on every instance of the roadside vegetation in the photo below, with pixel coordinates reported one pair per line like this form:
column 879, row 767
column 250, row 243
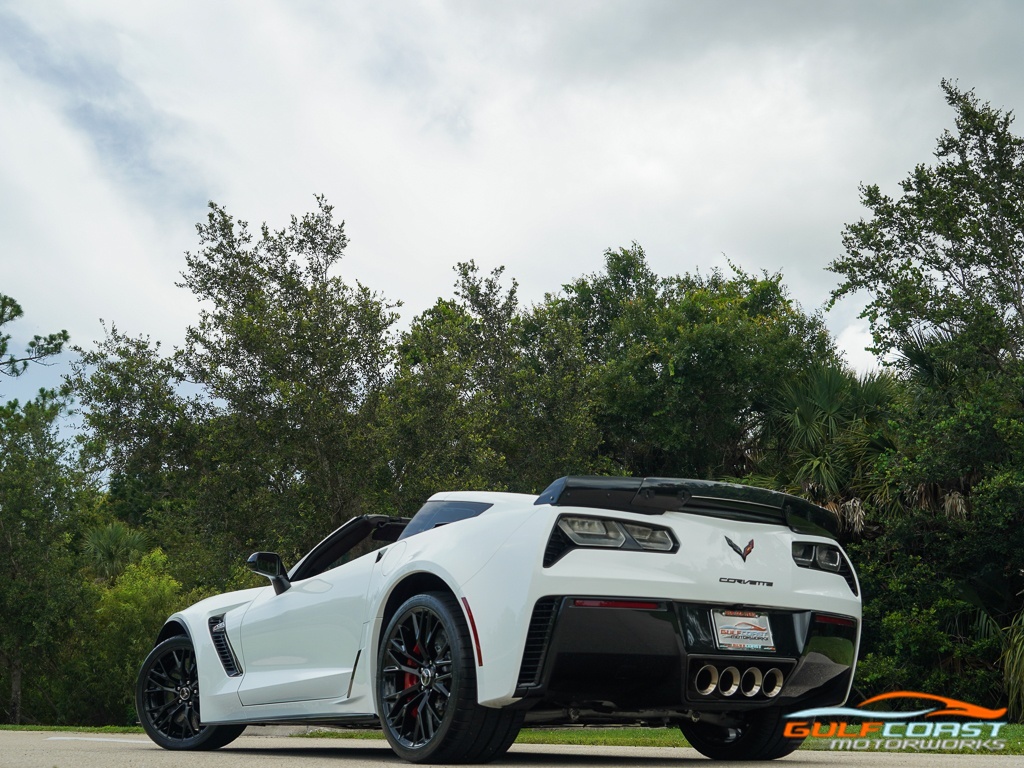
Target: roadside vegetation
column 296, row 402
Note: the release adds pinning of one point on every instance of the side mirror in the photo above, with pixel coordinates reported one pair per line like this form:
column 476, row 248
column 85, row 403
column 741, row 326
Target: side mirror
column 269, row 564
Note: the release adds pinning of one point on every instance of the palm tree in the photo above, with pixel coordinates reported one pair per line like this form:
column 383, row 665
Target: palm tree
column 824, row 435
column 113, row 546
column 1013, row 665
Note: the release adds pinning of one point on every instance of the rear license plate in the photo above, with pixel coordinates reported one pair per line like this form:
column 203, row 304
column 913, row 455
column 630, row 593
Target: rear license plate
column 742, row 631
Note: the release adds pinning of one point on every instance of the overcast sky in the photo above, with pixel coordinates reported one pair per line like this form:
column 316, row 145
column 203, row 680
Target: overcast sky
column 533, row 135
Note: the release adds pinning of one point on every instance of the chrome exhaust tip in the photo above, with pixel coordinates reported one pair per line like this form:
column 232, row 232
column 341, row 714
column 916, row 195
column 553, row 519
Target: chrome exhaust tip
column 750, row 683
column 771, row 685
column 729, row 681
column 706, row 680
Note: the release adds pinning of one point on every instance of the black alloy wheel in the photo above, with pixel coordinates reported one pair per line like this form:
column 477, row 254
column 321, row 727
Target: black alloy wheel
column 426, row 688
column 755, row 735
column 167, row 700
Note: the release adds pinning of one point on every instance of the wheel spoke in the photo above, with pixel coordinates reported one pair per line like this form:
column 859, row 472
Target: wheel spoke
column 433, row 718
column 414, row 617
column 156, row 673
column 428, row 717
column 166, row 715
column 401, row 666
column 403, row 650
column 157, row 712
column 420, row 719
column 399, row 694
column 399, row 710
column 428, row 625
column 442, row 650
column 191, row 714
column 435, row 652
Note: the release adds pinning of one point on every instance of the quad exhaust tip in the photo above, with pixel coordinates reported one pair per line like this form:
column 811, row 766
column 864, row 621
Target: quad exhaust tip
column 750, row 683
column 772, row 684
column 728, row 681
column 706, row 680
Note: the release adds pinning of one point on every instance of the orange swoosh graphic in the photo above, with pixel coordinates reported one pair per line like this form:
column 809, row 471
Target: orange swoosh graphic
column 952, row 706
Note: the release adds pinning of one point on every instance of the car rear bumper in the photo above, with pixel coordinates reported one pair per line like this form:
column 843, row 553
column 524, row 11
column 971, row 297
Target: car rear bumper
column 636, row 654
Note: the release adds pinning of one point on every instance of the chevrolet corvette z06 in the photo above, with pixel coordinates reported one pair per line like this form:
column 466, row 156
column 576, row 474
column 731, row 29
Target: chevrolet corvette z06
column 718, row 608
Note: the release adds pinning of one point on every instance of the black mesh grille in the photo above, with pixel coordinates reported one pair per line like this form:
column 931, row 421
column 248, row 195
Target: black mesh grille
column 558, row 545
column 538, row 638
column 219, row 635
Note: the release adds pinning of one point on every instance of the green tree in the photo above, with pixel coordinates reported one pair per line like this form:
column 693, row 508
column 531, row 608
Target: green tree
column 271, row 446
column 37, row 350
column 41, row 493
column 486, row 395
column 292, row 360
column 115, row 640
column 42, row 496
column 142, row 432
column 942, row 267
column 686, row 365
column 945, row 257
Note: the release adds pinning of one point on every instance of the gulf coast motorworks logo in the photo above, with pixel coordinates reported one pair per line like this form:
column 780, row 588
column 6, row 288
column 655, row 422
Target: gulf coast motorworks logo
column 860, row 728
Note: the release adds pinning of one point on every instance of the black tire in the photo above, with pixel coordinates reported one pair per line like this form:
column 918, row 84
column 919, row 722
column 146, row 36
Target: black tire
column 167, row 700
column 757, row 735
column 426, row 688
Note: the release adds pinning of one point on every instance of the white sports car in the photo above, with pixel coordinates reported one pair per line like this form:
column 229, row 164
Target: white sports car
column 604, row 600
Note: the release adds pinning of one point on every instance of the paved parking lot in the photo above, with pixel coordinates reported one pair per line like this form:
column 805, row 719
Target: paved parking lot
column 38, row 749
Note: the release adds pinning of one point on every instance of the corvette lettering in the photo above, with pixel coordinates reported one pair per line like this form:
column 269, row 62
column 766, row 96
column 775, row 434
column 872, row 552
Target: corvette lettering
column 749, row 582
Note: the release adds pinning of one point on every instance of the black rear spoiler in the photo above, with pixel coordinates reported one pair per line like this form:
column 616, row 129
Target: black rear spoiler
column 658, row 495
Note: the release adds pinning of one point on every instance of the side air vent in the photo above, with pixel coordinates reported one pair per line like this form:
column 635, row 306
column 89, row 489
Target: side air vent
column 538, row 638
column 558, row 545
column 219, row 635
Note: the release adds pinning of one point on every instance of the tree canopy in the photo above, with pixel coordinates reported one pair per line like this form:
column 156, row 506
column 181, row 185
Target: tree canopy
column 945, row 259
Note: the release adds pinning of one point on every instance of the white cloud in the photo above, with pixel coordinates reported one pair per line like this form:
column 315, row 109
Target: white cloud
column 853, row 340
column 531, row 135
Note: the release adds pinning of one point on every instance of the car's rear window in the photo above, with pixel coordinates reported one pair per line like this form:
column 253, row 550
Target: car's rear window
column 435, row 513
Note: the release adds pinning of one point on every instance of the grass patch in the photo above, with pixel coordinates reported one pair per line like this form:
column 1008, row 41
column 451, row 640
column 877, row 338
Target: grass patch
column 604, row 737
column 583, row 736
column 76, row 728
column 340, row 734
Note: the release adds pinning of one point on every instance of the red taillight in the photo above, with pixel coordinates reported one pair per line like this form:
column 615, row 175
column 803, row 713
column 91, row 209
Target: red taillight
column 822, row 618
column 637, row 605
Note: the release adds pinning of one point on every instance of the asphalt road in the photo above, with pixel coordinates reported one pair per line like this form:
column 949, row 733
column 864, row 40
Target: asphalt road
column 37, row 749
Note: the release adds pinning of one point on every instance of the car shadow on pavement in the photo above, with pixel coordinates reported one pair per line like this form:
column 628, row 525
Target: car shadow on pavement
column 385, row 755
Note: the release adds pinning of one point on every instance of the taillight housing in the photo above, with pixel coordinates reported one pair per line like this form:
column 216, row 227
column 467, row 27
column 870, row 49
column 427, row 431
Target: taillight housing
column 586, row 532
column 824, row 557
